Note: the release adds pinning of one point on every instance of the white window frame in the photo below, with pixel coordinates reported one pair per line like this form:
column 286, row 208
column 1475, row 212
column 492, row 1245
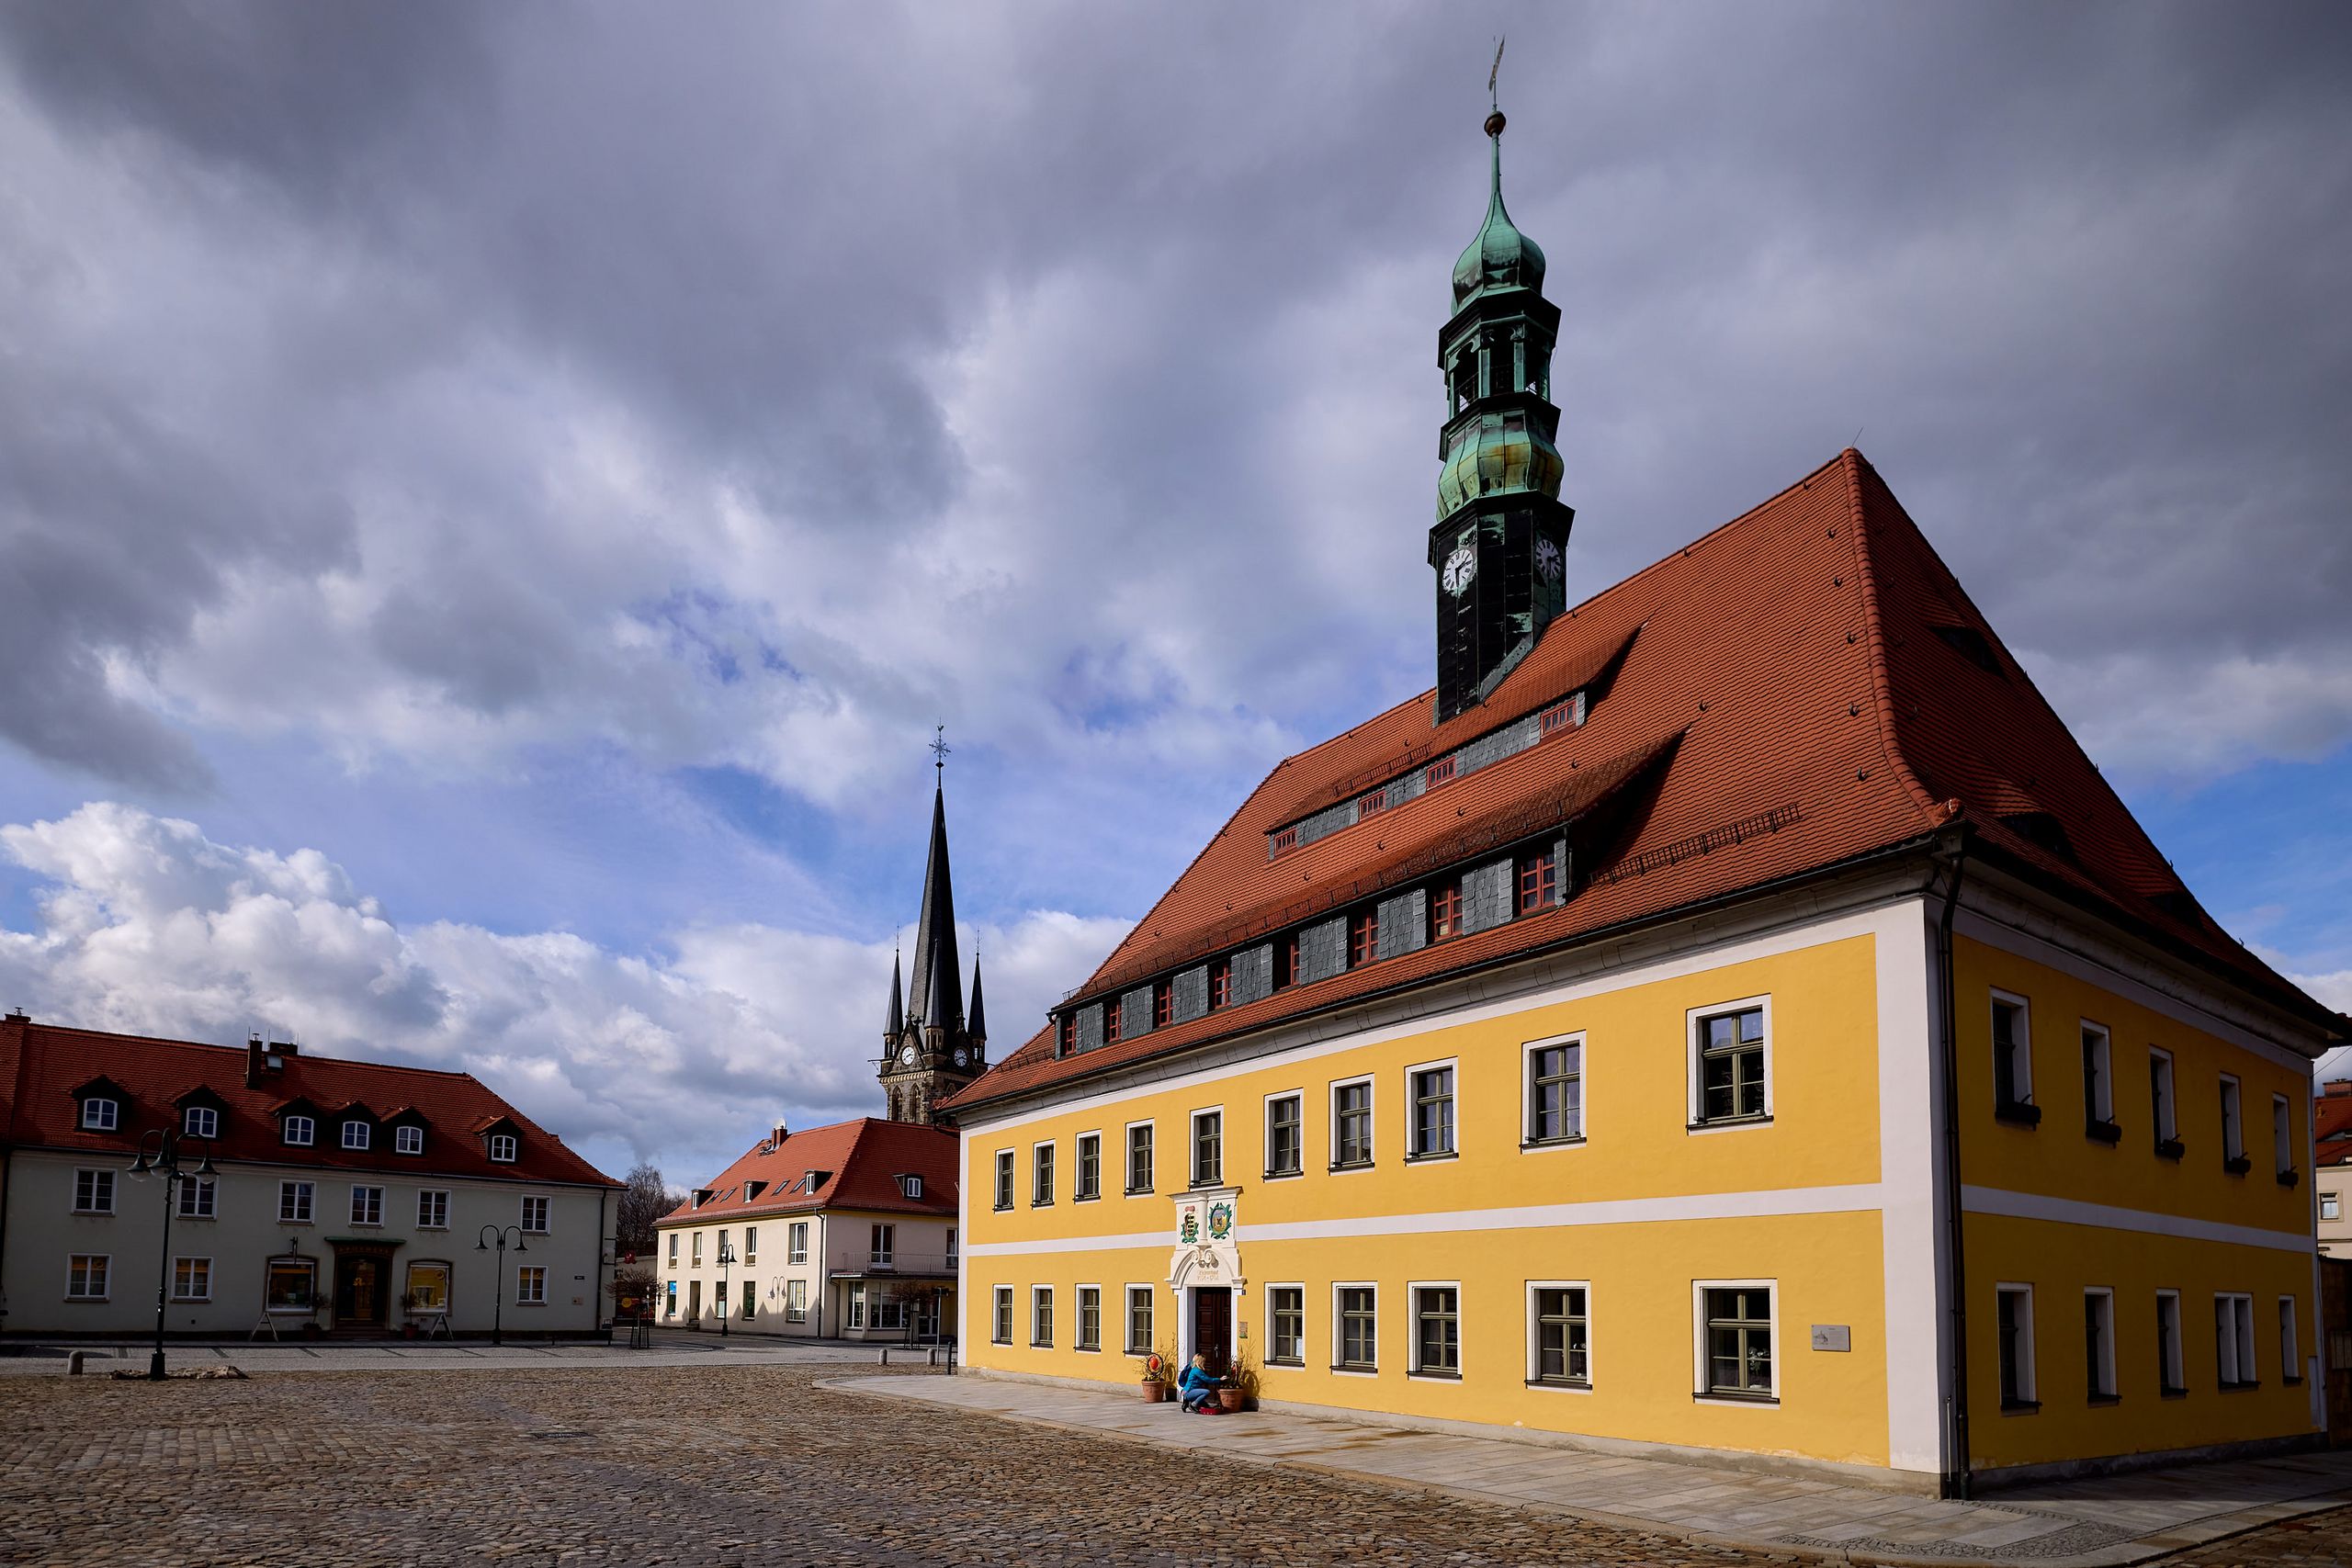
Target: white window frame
column 196, row 1197
column 1528, row 1141
column 1001, row 1323
column 2282, row 1134
column 2164, row 1108
column 1078, row 1319
column 100, row 1114
column 529, row 1275
column 1693, row 1045
column 1128, row 1160
column 1266, row 1132
column 673, row 1250
column 2021, row 1065
column 209, row 1128
column 796, row 1243
column 750, row 1244
column 374, row 1204
column 432, row 1211
column 1005, row 1179
column 2104, row 1110
column 505, row 1149
column 105, row 1267
column 882, row 1245
column 1193, row 1148
column 1413, row 1369
column 534, row 1205
column 97, row 1176
column 910, row 1186
column 1371, row 1086
column 2028, row 1369
column 2232, row 1094
column 2107, row 1387
column 408, row 1139
column 1043, row 1161
column 2233, row 1347
column 2291, row 1343
column 358, row 1137
column 1535, row 1338
column 298, row 1132
column 1128, row 1322
column 2331, row 1206
column 1702, row 1389
column 299, row 1196
column 1041, row 1296
column 2172, row 1350
column 1077, row 1166
column 795, row 1301
column 193, row 1264
column 1454, row 1101
column 1300, row 1286
column 951, row 1247
column 1338, row 1326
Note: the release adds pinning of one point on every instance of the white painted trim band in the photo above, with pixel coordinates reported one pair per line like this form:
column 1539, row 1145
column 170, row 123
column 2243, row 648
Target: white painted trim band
column 2070, row 1212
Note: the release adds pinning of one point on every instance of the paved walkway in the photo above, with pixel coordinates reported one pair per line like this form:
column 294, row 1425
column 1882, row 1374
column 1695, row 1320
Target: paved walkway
column 411, row 1355
column 2075, row 1524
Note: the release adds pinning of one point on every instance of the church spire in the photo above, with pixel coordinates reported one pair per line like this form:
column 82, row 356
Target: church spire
column 980, row 1024
column 1501, row 543
column 895, row 1024
column 937, row 994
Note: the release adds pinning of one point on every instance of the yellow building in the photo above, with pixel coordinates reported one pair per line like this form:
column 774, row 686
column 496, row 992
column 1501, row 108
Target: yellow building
column 1730, row 1015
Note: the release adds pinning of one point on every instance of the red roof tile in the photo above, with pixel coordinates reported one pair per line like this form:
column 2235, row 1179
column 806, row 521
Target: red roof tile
column 1821, row 714
column 2333, row 1131
column 52, row 1061
column 861, row 1162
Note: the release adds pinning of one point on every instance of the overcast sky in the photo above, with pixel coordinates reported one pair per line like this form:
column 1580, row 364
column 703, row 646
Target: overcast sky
column 493, row 497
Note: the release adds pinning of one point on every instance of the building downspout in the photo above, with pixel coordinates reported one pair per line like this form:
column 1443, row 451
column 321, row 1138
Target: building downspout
column 596, row 1320
column 1956, row 1474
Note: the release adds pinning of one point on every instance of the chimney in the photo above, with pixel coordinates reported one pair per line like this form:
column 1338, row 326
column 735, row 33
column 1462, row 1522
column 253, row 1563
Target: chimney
column 781, row 1132
column 17, row 1015
column 2336, row 1088
column 254, row 1058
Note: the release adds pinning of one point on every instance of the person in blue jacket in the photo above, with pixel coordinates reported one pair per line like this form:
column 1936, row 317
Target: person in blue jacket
column 1198, row 1386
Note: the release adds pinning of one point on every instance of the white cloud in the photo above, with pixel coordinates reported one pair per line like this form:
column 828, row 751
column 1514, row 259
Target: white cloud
column 146, row 925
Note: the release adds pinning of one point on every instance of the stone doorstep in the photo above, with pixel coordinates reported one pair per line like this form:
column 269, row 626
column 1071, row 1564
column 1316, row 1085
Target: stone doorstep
column 1863, row 1513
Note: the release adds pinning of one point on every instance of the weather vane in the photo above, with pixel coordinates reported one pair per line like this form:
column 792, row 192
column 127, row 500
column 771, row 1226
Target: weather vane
column 939, row 749
column 1493, row 71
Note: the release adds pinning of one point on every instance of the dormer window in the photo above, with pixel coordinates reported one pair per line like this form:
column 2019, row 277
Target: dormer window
column 911, row 1186
column 1163, row 1003
column 299, row 1131
column 408, row 1140
column 502, row 1148
column 356, row 1134
column 200, row 1122
column 1111, row 1021
column 100, row 1114
column 751, row 1191
column 1069, row 1033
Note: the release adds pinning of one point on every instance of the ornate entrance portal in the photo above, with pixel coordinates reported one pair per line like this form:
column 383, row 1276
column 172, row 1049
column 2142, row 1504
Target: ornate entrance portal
column 1205, row 1272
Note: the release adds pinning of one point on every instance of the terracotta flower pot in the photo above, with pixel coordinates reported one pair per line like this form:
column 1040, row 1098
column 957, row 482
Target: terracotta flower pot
column 1154, row 1390
column 1228, row 1400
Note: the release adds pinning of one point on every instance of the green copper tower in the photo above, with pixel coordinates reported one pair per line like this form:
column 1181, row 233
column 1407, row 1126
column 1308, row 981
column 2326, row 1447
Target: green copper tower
column 1501, row 543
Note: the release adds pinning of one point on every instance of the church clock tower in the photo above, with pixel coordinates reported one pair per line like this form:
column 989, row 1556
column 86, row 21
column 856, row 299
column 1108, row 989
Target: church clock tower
column 1499, row 548
column 930, row 1047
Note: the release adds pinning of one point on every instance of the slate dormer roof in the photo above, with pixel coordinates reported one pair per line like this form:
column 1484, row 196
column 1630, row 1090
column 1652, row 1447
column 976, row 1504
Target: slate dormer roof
column 1803, row 688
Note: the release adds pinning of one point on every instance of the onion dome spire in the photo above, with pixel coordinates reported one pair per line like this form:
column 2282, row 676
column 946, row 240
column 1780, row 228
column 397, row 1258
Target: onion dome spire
column 1501, row 257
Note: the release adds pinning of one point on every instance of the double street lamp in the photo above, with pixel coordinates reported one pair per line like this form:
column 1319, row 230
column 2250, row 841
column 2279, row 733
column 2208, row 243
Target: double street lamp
column 497, row 1234
column 164, row 1159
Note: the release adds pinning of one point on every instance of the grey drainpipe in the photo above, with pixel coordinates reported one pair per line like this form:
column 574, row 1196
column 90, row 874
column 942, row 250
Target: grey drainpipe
column 1956, row 1476
column 596, row 1302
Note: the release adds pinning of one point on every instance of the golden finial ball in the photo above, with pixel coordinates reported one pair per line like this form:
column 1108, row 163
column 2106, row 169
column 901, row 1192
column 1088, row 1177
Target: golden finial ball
column 1494, row 123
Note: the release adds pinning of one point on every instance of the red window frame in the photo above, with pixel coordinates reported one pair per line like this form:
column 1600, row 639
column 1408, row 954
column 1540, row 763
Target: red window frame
column 1069, row 1033
column 1286, row 963
column 1286, row 840
column 1438, row 772
column 1110, row 1020
column 1561, row 715
column 1163, row 1004
column 1221, row 983
column 1363, row 937
column 1539, row 881
column 1372, row 803
column 1445, row 910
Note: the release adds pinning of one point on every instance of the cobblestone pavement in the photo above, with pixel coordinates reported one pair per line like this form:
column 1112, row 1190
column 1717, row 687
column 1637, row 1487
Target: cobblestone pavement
column 712, row 1464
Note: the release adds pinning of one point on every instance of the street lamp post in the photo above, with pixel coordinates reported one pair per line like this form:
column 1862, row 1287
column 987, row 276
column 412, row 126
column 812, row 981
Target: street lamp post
column 497, row 1234
column 164, row 1159
column 726, row 1256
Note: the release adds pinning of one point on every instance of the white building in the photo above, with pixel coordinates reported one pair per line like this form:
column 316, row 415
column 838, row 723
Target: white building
column 349, row 1196
column 839, row 1232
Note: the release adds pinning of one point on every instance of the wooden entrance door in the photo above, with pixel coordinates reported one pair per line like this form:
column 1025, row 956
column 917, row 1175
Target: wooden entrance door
column 1212, row 1327
column 360, row 1285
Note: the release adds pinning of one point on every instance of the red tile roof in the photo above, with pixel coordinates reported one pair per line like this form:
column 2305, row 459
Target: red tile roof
column 41, row 1065
column 2332, row 1134
column 1815, row 712
column 861, row 1162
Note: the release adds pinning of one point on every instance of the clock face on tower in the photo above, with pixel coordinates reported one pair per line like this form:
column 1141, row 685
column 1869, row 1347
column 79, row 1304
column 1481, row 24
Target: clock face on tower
column 962, row 1055
column 1547, row 561
column 1460, row 568
column 906, row 1055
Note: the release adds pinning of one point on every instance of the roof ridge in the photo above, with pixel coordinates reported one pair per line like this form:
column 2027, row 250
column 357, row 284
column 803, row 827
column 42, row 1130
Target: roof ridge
column 1851, row 463
column 211, row 1046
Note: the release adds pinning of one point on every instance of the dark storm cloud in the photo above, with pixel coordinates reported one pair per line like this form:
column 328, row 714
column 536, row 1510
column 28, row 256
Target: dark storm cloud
column 2075, row 270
